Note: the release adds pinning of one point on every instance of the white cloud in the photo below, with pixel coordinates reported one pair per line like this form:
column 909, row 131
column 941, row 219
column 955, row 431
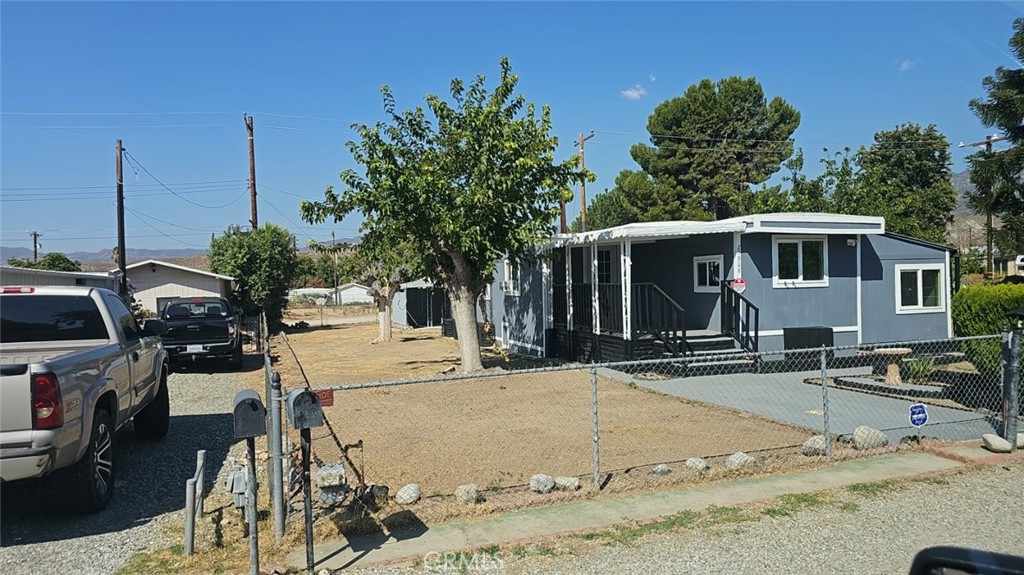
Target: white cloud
column 653, row 78
column 634, row 93
column 906, row 65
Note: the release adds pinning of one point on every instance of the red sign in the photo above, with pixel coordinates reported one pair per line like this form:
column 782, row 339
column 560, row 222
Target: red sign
column 326, row 397
column 739, row 285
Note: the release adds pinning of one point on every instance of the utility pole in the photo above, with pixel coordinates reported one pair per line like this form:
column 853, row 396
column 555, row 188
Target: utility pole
column 334, row 250
column 252, row 172
column 583, row 184
column 118, row 157
column 35, row 245
column 987, row 142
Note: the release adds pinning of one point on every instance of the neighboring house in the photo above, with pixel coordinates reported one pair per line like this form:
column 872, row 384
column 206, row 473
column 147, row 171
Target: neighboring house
column 420, row 304
column 157, row 282
column 350, row 293
column 10, row 276
column 764, row 282
column 1012, row 265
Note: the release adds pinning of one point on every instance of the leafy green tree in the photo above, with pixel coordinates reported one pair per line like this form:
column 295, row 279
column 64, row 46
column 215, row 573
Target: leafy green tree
column 53, row 261
column 999, row 177
column 905, row 177
column 803, row 194
column 478, row 182
column 713, row 143
column 606, row 210
column 262, row 261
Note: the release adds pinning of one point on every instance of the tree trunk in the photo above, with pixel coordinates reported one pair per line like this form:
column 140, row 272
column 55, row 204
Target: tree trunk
column 463, row 302
column 384, row 300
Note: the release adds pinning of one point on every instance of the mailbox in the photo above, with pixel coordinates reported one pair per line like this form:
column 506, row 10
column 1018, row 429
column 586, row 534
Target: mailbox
column 250, row 415
column 304, row 409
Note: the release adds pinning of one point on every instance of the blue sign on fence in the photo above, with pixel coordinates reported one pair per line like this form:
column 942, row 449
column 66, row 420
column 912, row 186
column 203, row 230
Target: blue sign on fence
column 918, row 415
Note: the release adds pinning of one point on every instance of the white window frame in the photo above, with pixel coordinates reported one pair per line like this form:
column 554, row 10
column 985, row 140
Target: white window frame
column 898, row 284
column 697, row 260
column 487, row 292
column 798, row 283
column 512, row 272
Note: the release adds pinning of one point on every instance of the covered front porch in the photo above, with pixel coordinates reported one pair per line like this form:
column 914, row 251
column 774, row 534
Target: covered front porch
column 648, row 290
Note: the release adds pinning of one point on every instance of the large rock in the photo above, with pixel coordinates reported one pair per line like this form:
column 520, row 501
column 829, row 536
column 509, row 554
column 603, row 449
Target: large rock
column 865, row 437
column 661, row 469
column 409, row 494
column 467, row 493
column 739, row 460
column 814, row 446
column 541, row 483
column 696, row 463
column 567, row 483
column 996, row 444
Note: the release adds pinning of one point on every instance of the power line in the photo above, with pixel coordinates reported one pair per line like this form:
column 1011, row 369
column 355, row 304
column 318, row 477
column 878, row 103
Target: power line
column 107, row 186
column 116, row 113
column 135, row 161
column 287, row 219
column 725, row 140
column 294, row 129
column 277, row 115
column 68, row 239
column 140, row 214
column 150, row 127
column 161, row 232
column 88, row 196
column 286, row 192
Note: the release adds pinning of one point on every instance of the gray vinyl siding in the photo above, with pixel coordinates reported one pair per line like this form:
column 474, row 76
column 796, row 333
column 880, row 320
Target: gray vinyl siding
column 831, row 306
column 519, row 319
column 398, row 312
column 880, row 255
column 669, row 265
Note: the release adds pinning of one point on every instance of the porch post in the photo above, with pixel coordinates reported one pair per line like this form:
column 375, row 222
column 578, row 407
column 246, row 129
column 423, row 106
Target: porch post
column 737, row 256
column 627, row 288
column 568, row 286
column 593, row 292
column 546, row 302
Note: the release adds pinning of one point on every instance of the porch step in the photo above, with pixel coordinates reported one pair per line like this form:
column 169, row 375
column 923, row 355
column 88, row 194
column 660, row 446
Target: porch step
column 715, row 343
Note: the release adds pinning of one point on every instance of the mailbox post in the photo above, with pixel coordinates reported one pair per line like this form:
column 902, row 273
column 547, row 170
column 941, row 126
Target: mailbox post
column 250, row 422
column 304, row 411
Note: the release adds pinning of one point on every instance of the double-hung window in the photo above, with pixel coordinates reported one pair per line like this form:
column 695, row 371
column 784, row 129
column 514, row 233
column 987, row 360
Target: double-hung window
column 511, row 283
column 799, row 261
column 919, row 288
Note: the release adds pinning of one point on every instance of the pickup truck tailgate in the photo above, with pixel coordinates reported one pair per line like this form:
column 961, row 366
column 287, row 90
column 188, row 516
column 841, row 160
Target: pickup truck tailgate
column 16, row 391
column 198, row 330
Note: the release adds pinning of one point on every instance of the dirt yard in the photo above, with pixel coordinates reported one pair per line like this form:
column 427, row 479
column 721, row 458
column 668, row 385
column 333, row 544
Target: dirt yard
column 497, row 432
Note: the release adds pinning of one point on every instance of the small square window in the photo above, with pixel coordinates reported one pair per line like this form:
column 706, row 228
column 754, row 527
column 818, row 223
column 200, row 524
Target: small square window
column 707, row 273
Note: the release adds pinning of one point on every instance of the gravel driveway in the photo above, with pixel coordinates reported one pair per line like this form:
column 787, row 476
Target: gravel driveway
column 36, row 537
column 881, row 535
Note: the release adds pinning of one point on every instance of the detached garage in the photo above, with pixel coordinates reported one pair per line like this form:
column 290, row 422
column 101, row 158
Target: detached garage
column 158, row 282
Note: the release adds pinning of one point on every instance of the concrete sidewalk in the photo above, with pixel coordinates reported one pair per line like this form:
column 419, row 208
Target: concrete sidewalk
column 414, row 543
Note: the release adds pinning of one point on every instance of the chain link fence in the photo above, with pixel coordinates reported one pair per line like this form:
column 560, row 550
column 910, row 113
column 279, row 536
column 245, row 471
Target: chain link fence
column 610, row 425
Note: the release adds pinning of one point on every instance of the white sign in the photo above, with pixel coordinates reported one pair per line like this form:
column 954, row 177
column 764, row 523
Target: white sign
column 739, row 285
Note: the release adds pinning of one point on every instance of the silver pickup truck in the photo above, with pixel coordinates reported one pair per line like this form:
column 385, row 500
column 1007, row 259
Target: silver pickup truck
column 75, row 366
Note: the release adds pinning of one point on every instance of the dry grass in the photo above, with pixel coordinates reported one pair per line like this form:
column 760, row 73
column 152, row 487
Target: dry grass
column 497, row 432
column 306, row 312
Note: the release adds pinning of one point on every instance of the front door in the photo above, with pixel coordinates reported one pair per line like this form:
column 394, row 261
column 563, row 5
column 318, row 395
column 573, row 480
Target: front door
column 705, row 305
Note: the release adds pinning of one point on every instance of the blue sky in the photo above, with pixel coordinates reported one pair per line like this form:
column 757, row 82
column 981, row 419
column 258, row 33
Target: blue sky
column 172, row 80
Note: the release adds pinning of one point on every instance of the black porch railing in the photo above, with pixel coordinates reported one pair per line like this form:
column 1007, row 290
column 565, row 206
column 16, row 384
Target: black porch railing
column 740, row 318
column 656, row 314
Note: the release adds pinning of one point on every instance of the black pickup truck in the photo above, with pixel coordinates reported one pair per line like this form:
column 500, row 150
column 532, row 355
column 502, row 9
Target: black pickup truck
column 202, row 327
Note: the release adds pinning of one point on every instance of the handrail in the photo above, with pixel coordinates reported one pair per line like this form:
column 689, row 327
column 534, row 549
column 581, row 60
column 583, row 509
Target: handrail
column 732, row 325
column 656, row 313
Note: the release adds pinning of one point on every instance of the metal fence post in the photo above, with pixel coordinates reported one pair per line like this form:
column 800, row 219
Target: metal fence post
column 824, row 402
column 251, row 514
column 596, row 429
column 190, row 516
column 1011, row 383
column 200, row 481
column 276, row 457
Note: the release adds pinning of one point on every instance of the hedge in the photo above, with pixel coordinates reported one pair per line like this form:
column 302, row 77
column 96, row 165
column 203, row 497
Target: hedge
column 982, row 310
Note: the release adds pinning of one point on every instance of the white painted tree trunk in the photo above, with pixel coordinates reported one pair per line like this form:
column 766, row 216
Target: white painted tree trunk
column 384, row 299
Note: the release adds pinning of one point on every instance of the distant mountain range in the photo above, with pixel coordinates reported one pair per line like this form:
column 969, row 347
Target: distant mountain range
column 104, row 256
column 962, row 184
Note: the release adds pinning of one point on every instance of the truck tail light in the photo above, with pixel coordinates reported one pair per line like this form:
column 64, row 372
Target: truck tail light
column 47, row 406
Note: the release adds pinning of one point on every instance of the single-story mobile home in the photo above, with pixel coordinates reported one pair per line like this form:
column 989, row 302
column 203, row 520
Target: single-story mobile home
column 763, row 282
column 10, row 275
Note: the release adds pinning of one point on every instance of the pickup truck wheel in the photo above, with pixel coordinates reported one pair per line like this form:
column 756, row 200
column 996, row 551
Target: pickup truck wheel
column 93, row 476
column 153, row 420
column 236, row 358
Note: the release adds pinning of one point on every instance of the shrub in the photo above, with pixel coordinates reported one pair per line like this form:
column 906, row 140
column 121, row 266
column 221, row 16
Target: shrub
column 982, row 310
